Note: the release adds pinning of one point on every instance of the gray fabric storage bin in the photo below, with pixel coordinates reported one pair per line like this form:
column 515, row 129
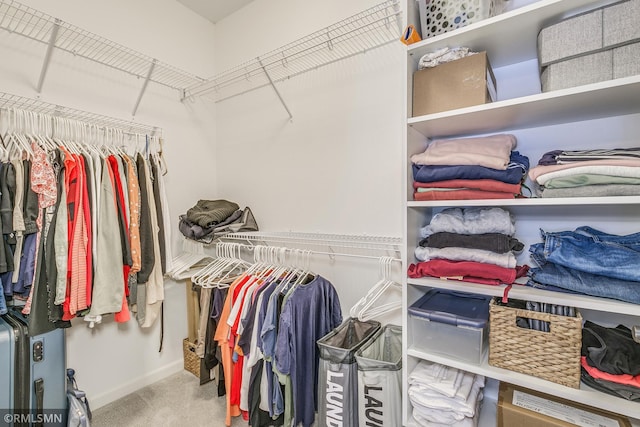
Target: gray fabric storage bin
column 380, row 379
column 620, row 23
column 592, row 68
column 626, row 61
column 338, row 373
column 574, row 36
column 590, row 32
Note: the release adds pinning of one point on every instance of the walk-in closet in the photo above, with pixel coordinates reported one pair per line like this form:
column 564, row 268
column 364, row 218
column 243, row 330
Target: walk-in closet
column 295, row 213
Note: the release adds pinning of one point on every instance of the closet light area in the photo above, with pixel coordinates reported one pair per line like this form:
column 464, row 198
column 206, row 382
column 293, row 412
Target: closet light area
column 231, row 229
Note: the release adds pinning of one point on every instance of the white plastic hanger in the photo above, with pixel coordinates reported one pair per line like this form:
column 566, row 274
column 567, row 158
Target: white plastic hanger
column 364, row 309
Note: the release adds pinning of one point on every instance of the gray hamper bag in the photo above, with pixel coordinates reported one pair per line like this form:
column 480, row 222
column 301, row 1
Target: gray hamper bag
column 380, row 379
column 338, row 373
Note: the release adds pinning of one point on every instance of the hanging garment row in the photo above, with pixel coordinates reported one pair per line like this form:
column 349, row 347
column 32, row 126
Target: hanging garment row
column 260, row 322
column 84, row 223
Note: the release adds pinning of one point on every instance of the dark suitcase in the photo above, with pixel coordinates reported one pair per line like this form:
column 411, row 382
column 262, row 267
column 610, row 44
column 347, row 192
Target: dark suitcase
column 7, row 365
column 38, row 375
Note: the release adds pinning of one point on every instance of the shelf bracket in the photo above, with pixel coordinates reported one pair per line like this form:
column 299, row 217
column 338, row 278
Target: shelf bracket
column 144, row 87
column 275, row 89
column 47, row 56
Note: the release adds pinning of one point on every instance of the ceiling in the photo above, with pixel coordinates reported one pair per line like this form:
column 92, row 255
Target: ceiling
column 215, row 10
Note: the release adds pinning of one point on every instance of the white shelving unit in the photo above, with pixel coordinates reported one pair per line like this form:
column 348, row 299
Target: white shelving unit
column 584, row 395
column 599, row 115
column 595, row 101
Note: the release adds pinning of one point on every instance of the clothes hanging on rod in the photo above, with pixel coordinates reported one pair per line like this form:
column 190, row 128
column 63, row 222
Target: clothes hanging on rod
column 83, row 222
column 268, row 321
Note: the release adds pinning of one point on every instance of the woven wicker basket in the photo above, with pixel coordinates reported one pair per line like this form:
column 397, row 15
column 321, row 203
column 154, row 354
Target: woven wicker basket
column 191, row 359
column 553, row 356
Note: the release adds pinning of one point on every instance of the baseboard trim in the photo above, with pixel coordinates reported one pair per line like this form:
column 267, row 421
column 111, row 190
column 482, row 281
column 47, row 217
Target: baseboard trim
column 109, row 396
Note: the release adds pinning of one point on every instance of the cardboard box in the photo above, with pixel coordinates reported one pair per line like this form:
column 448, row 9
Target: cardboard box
column 518, row 406
column 456, row 84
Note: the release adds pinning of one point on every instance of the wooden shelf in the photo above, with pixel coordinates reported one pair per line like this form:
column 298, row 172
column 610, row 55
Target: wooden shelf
column 583, row 395
column 522, row 26
column 594, row 101
column 529, row 293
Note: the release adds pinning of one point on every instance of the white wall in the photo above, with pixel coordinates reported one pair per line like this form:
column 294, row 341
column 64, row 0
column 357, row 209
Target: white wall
column 113, row 360
column 337, row 166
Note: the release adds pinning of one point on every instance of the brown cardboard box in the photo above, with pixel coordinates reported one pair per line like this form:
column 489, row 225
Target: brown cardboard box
column 456, row 84
column 542, row 406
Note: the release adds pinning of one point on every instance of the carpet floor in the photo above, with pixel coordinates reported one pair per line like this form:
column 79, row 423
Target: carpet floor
column 177, row 400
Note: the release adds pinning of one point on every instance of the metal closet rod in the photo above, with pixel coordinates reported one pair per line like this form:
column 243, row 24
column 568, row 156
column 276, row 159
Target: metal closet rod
column 8, row 101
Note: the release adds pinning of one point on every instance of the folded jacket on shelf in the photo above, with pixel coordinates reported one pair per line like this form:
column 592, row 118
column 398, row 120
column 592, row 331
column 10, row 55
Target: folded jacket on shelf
column 561, row 156
column 442, row 395
column 475, row 184
column 494, row 242
column 461, row 194
column 446, row 380
column 513, row 174
column 418, row 420
column 467, row 271
column 611, row 350
column 490, row 151
column 506, row 260
column 630, row 380
column 608, row 387
column 611, row 190
column 471, row 221
column 537, row 171
column 614, row 170
column 207, row 213
column 463, row 403
column 582, row 179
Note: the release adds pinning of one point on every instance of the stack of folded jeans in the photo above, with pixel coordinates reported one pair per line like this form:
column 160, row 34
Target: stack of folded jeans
column 469, row 168
column 444, row 396
column 469, row 244
column 588, row 261
column 611, row 360
column 588, row 173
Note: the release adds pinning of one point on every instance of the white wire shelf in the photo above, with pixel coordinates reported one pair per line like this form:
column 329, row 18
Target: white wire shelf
column 357, row 34
column 17, row 18
column 8, row 101
column 365, row 246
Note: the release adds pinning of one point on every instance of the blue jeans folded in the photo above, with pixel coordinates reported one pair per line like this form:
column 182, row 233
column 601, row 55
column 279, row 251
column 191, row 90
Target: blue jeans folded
column 591, row 251
column 557, row 276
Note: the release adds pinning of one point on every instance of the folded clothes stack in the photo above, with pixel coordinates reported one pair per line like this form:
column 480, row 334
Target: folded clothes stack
column 469, row 168
column 444, row 396
column 469, row 244
column 588, row 173
column 588, row 261
column 611, row 360
column 211, row 219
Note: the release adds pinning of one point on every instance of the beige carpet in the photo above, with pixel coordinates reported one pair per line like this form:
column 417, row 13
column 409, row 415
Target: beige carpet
column 175, row 401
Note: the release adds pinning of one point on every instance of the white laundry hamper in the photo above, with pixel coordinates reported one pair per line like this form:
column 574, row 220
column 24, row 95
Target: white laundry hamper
column 338, row 372
column 380, row 379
